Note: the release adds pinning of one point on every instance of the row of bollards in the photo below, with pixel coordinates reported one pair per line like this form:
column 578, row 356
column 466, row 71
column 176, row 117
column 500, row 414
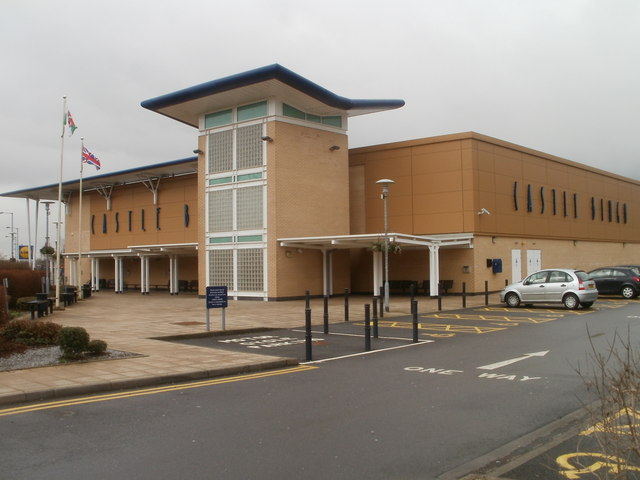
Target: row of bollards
column 371, row 314
column 367, row 321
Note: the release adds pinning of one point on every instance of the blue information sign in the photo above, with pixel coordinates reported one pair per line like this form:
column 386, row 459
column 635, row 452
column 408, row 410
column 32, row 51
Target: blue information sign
column 217, row 297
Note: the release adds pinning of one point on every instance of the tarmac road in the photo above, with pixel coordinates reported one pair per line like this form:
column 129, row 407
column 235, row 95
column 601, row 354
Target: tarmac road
column 441, row 409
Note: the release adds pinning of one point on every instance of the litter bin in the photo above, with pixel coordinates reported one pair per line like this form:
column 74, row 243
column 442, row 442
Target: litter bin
column 86, row 290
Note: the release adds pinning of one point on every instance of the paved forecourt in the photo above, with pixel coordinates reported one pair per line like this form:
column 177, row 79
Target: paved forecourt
column 134, row 323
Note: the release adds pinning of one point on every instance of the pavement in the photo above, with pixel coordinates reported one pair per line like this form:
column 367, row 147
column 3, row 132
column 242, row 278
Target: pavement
column 141, row 324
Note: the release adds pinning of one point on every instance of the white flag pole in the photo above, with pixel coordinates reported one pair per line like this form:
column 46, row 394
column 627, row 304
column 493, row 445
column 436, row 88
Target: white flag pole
column 58, row 242
column 78, row 269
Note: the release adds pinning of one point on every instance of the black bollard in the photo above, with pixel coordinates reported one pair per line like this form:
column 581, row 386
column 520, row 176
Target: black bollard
column 325, row 315
column 486, row 293
column 414, row 312
column 346, row 304
column 381, row 302
column 375, row 317
column 307, row 334
column 367, row 329
column 439, row 301
column 464, row 295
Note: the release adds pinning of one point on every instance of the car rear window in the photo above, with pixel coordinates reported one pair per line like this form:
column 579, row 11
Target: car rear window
column 582, row 275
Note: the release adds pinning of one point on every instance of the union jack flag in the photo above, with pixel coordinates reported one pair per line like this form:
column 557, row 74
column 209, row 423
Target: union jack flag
column 90, row 158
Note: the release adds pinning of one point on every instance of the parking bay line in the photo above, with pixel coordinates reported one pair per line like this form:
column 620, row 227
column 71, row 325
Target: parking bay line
column 353, row 334
column 367, row 353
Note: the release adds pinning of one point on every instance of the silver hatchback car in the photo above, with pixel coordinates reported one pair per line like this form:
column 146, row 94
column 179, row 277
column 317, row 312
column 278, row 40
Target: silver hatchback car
column 570, row 287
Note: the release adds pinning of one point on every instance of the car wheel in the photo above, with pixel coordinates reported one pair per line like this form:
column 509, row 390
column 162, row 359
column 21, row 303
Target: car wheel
column 512, row 300
column 570, row 301
column 586, row 304
column 628, row 291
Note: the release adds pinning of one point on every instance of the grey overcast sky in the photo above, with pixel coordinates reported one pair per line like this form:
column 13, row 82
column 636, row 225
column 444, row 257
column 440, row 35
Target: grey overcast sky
column 562, row 77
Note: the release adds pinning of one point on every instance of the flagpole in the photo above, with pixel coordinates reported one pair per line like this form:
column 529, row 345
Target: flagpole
column 78, row 268
column 58, row 243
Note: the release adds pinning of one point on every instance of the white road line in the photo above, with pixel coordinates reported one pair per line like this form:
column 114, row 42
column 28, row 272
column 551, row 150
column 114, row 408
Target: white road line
column 367, row 353
column 361, row 336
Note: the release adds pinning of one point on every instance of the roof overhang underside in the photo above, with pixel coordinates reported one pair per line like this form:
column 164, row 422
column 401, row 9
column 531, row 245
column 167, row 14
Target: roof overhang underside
column 140, row 250
column 175, row 168
column 415, row 242
column 188, row 104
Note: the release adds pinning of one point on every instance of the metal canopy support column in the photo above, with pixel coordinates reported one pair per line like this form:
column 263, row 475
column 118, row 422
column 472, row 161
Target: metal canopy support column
column 377, row 272
column 327, row 272
column 105, row 191
column 434, row 270
column 93, row 282
column 119, row 274
column 152, row 183
column 173, row 275
column 144, row 274
column 72, row 270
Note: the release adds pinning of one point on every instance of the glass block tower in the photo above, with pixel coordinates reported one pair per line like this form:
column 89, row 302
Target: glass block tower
column 273, row 163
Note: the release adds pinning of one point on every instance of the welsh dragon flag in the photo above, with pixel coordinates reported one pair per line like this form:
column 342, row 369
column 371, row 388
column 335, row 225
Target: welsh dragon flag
column 68, row 120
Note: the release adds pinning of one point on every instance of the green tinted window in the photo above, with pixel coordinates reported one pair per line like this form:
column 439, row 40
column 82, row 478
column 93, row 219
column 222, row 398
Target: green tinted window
column 218, row 119
column 221, row 240
column 255, row 110
column 333, row 121
column 289, row 111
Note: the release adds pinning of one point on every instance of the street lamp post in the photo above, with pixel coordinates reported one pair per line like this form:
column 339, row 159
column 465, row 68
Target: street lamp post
column 384, row 183
column 13, row 249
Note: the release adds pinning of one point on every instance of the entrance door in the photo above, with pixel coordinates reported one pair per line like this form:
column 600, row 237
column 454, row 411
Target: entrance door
column 516, row 267
column 534, row 261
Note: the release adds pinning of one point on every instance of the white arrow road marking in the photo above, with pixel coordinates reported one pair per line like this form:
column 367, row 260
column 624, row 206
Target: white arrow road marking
column 504, row 363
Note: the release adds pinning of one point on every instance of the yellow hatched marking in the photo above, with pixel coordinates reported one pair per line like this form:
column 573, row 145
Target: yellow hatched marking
column 490, row 318
column 441, row 327
column 540, row 311
column 151, row 391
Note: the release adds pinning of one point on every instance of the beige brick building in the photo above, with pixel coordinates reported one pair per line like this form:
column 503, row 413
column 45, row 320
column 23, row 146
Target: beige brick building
column 275, row 204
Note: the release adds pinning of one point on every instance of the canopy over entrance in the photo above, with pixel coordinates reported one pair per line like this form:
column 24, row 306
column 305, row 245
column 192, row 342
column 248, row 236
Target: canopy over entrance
column 328, row 244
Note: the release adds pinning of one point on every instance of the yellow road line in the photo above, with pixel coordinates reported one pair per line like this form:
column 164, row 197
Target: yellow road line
column 440, row 327
column 490, row 318
column 151, row 391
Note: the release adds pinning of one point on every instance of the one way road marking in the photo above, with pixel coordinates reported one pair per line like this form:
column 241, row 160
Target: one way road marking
column 504, row 363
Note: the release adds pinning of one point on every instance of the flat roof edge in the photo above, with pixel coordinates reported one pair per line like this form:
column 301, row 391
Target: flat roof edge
column 269, row 72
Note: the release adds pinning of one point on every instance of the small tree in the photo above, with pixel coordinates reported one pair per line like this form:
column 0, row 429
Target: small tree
column 614, row 376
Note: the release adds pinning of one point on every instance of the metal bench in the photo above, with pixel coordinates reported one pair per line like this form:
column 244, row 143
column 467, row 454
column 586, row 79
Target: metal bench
column 39, row 306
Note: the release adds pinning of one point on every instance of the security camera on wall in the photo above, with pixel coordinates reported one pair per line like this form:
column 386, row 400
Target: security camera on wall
column 484, row 211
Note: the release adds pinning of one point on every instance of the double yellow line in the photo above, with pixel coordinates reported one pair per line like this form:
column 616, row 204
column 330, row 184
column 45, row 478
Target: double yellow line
column 151, row 391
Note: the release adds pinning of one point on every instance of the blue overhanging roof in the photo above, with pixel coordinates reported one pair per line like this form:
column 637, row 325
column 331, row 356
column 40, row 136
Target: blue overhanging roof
column 170, row 103
column 168, row 169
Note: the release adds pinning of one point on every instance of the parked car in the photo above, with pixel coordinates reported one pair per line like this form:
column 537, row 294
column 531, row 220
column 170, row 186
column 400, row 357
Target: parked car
column 623, row 281
column 570, row 287
column 635, row 268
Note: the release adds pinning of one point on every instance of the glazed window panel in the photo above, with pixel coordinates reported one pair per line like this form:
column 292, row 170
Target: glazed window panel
column 249, row 146
column 220, row 211
column 218, row 119
column 251, row 269
column 255, row 110
column 221, row 151
column 221, row 268
column 249, row 208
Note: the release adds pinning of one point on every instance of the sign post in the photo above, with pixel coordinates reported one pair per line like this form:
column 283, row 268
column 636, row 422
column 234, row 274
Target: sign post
column 217, row 297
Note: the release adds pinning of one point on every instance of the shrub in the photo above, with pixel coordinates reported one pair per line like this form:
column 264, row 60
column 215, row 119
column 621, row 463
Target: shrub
column 8, row 348
column 97, row 347
column 73, row 341
column 32, row 333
